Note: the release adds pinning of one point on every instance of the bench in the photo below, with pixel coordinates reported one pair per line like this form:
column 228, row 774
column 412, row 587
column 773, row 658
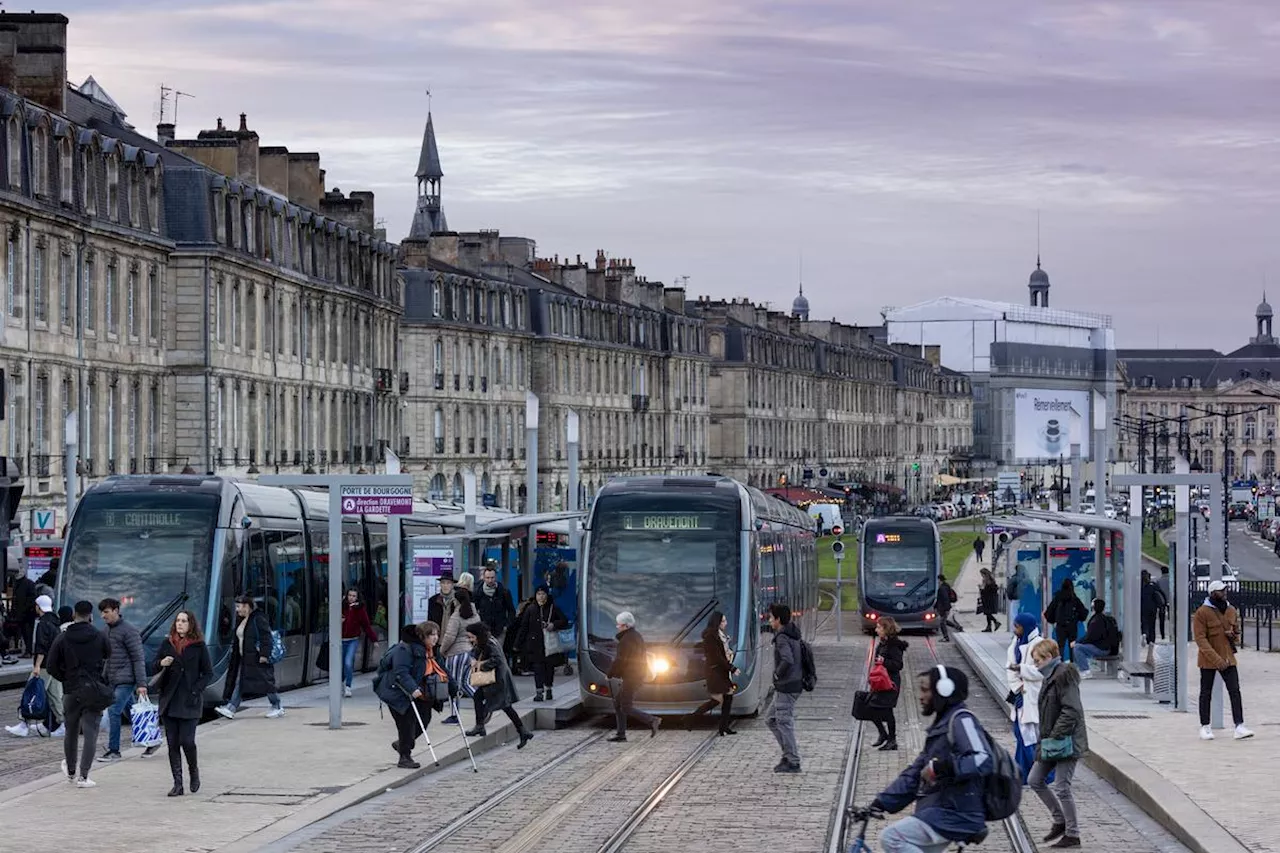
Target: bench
column 1108, row 663
column 1142, row 670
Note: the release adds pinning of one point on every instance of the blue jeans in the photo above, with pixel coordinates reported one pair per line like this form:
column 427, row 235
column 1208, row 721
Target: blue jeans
column 234, row 704
column 349, row 659
column 912, row 835
column 124, row 692
column 1085, row 654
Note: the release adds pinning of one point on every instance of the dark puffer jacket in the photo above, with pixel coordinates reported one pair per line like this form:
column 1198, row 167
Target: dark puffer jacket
column 787, row 667
column 631, row 663
column 128, row 661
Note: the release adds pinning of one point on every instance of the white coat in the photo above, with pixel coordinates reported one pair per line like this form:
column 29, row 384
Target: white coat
column 1026, row 680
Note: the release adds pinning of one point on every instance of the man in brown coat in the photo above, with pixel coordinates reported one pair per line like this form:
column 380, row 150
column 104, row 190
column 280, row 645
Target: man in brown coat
column 1216, row 627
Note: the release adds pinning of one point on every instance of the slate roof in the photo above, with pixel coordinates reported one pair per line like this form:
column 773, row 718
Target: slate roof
column 1168, row 368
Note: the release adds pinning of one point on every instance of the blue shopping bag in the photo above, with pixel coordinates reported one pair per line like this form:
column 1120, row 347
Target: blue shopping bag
column 145, row 719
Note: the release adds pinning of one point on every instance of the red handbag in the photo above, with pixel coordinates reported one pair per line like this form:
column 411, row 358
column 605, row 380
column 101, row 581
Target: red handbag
column 878, row 679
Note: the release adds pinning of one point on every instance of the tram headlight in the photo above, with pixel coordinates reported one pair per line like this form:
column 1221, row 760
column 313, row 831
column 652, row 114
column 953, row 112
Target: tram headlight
column 659, row 665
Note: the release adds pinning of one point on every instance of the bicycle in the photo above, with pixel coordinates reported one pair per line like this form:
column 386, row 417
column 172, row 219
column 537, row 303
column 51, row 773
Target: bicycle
column 865, row 816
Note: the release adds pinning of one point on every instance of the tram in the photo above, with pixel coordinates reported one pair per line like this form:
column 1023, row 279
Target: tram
column 899, row 560
column 164, row 543
column 671, row 550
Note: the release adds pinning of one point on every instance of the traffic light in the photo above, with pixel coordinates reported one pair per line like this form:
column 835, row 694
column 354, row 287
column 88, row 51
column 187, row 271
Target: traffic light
column 837, row 530
column 915, row 467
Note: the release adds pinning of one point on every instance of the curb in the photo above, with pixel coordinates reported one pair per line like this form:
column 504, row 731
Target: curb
column 1161, row 800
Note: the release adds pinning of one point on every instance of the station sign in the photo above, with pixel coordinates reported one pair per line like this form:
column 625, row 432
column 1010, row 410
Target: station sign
column 994, row 529
column 44, row 522
column 377, row 500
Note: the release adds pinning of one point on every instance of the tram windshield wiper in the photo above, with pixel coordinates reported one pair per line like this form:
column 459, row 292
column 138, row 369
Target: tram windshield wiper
column 165, row 613
column 697, row 617
column 916, row 588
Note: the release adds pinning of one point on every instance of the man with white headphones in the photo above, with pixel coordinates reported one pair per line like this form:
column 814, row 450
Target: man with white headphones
column 946, row 779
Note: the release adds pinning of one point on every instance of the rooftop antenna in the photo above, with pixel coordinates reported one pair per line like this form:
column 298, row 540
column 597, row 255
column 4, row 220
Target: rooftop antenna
column 1037, row 238
column 428, row 100
column 176, row 96
column 164, row 101
column 801, row 277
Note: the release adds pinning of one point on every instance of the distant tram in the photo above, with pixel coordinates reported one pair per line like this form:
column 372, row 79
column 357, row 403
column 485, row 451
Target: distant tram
column 674, row 549
column 899, row 560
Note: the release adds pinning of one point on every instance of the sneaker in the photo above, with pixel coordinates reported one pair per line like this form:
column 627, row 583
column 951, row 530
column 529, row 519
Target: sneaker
column 1067, row 841
column 224, row 711
column 150, row 751
column 1206, row 733
column 787, row 767
column 111, row 755
column 60, row 731
column 71, row 777
column 450, row 721
column 274, row 712
column 407, row 763
column 40, row 730
column 1242, row 732
column 654, row 726
column 1055, row 832
column 346, row 691
column 617, row 739
column 86, row 782
column 20, row 730
column 1086, row 674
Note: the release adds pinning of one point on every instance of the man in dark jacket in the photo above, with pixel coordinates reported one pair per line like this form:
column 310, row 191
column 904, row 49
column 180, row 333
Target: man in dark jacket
column 250, row 672
column 76, row 659
column 979, row 545
column 44, row 632
column 946, row 598
column 1097, row 641
column 630, row 669
column 946, row 779
column 788, row 670
column 24, row 610
column 127, row 672
column 440, row 605
column 493, row 603
column 1153, row 601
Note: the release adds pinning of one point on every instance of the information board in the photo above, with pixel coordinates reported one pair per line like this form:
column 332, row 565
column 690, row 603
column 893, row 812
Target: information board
column 428, row 565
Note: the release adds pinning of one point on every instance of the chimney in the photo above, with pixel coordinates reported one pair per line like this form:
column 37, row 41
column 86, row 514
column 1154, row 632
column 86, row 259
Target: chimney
column 246, row 152
column 305, row 184
column 165, row 133
column 33, row 58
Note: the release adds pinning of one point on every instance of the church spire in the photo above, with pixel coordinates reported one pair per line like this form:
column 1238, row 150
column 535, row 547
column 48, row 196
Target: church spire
column 429, row 159
column 428, row 217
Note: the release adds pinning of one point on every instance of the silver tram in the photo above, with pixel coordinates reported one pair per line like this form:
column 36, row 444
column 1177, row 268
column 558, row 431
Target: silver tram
column 899, row 560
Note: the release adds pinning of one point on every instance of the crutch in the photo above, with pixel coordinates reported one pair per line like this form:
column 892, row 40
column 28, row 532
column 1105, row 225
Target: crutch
column 453, row 703
column 421, row 725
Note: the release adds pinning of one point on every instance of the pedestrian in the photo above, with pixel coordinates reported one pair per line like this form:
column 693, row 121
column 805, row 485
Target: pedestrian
column 1064, row 739
column 400, row 688
column 946, row 779
column 1152, row 602
column 455, row 645
column 1099, row 640
column 355, row 623
column 499, row 693
column 1162, row 584
column 630, row 669
column 185, row 670
column 250, row 672
column 467, row 581
column 127, row 673
column 440, row 605
column 889, row 651
column 979, row 545
column 717, row 648
column 494, row 604
column 22, row 610
column 989, row 598
column 77, row 658
column 1216, row 629
column 44, row 632
column 538, row 619
column 946, row 597
column 1065, row 613
column 1024, row 680
column 788, row 670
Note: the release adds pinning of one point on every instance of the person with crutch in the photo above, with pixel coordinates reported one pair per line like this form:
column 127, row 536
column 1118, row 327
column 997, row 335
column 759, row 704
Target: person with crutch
column 399, row 684
column 439, row 690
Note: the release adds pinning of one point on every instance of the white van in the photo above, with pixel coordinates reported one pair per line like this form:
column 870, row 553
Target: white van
column 827, row 514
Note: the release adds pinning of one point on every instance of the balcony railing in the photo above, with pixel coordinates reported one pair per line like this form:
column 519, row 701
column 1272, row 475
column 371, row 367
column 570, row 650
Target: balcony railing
column 439, row 445
column 41, row 466
column 439, row 382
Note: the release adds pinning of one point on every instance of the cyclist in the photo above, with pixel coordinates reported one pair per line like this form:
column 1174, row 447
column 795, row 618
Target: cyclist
column 946, row 779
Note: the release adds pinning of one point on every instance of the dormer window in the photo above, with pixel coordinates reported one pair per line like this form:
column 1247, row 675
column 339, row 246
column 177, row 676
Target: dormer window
column 15, row 155
column 113, row 188
column 1186, row 382
column 135, row 198
column 1148, row 382
column 39, row 162
column 153, row 201
column 89, row 168
column 65, row 171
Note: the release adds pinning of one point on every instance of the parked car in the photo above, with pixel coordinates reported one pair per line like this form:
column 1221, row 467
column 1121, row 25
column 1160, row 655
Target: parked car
column 1200, row 574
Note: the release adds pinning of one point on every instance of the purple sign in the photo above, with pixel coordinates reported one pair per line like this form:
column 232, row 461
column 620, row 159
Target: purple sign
column 377, row 500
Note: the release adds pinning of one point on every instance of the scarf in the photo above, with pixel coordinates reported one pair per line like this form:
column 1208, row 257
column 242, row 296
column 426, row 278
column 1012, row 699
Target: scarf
column 1220, row 606
column 490, row 590
column 728, row 646
column 1049, row 666
column 179, row 644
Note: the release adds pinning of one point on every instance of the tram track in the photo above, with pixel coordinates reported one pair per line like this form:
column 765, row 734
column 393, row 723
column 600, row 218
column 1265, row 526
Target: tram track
column 849, row 774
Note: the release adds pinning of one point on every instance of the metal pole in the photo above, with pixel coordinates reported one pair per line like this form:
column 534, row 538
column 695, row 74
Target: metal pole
column 395, row 567
column 1216, row 551
column 336, row 575
column 1131, row 581
column 574, row 504
column 839, row 596
column 1226, row 493
column 71, row 460
column 1178, row 603
column 469, row 501
column 1100, row 483
column 1076, row 491
column 531, row 473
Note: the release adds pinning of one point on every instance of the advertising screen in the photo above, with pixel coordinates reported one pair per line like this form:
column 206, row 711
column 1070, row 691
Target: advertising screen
column 1047, row 423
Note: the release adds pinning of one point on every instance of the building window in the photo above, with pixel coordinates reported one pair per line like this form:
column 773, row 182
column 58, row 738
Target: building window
column 437, row 426
column 113, row 188
column 64, row 171
column 111, row 428
column 15, row 155
column 156, row 306
column 13, row 287
column 153, row 201
column 110, row 297
column 131, row 437
column 153, row 423
column 135, row 200
column 39, row 302
column 65, row 293
column 437, row 299
column 219, row 305
column 39, row 164
column 90, row 309
column 40, row 425
column 235, row 314
column 131, row 302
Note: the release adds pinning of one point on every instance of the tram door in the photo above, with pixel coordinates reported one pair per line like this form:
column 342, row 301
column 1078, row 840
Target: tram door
column 274, row 568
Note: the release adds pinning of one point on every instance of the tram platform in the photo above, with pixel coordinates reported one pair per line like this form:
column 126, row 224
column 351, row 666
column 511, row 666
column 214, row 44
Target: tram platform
column 1205, row 793
column 262, row 779
column 15, row 674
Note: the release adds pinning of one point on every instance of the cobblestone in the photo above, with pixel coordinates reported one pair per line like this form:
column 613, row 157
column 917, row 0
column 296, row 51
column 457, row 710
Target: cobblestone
column 24, row 760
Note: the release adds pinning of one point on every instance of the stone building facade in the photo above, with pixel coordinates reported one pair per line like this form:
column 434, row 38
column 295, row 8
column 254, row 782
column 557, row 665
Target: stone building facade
column 201, row 303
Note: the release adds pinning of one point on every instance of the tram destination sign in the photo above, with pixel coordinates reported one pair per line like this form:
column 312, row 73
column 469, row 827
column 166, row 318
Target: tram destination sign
column 667, row 521
column 377, row 500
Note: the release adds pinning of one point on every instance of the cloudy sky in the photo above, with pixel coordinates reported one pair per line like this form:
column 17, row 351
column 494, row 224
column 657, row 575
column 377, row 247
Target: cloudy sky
column 902, row 149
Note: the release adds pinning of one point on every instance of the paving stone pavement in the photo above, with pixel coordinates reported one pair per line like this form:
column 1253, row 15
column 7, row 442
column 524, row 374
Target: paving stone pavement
column 26, row 759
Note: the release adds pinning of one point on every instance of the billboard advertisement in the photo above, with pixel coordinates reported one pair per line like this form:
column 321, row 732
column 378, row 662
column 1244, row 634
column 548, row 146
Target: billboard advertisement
column 1047, row 423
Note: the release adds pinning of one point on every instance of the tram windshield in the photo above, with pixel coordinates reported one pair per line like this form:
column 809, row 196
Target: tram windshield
column 145, row 549
column 899, row 561
column 663, row 558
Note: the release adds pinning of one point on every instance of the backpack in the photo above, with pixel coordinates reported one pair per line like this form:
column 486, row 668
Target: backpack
column 808, row 669
column 277, row 648
column 1002, row 787
column 35, row 701
column 1114, row 635
column 384, row 666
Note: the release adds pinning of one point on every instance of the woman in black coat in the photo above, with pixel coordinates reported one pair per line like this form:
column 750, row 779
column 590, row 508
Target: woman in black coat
column 250, row 672
column 487, row 656
column 400, row 687
column 718, row 650
column 989, row 598
column 889, row 651
column 541, row 614
column 1065, row 612
column 185, row 671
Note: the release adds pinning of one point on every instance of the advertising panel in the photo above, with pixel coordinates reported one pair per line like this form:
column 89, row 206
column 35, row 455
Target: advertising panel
column 1047, row 423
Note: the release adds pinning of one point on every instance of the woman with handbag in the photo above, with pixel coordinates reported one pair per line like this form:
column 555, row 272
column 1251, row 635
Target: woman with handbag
column 889, row 652
column 454, row 646
column 184, row 671
column 494, row 686
column 718, row 650
column 400, row 687
column 540, row 618
column 1064, row 739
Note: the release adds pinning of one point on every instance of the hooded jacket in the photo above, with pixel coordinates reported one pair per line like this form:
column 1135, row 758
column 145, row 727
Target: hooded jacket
column 79, row 651
column 1061, row 710
column 786, row 660
column 952, row 804
column 46, row 632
